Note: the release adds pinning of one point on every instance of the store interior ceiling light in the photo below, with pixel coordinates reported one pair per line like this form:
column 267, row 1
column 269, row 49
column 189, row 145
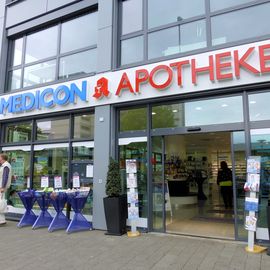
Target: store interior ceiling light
column 153, row 113
column 175, row 111
column 224, row 105
column 252, row 102
column 198, row 108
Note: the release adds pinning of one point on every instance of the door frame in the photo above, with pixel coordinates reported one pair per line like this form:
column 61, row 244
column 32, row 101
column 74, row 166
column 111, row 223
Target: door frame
column 231, row 128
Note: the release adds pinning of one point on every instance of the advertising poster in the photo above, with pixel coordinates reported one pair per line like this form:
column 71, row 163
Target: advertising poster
column 250, row 223
column 254, row 165
column 131, row 180
column 44, row 181
column 251, row 204
column 131, row 166
column 58, row 182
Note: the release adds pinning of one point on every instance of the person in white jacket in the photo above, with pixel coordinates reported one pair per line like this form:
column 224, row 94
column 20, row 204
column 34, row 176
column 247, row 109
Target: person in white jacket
column 5, row 181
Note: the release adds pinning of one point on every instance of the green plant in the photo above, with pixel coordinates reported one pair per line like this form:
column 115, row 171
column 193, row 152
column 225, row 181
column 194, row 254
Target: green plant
column 113, row 185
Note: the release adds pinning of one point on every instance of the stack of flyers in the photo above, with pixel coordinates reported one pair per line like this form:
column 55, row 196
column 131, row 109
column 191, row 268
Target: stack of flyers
column 131, row 166
column 133, row 212
column 254, row 165
column 252, row 204
column 132, row 197
column 131, row 180
column 250, row 223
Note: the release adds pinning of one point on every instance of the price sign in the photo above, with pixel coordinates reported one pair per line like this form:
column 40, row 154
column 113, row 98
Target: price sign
column 76, row 181
column 58, row 182
column 44, row 181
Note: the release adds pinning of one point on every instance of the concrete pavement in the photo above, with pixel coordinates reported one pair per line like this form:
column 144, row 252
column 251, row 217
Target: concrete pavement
column 28, row 249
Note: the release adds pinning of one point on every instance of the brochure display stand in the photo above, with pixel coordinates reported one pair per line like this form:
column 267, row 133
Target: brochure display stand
column 132, row 195
column 77, row 200
column 44, row 219
column 60, row 221
column 28, row 199
column 252, row 187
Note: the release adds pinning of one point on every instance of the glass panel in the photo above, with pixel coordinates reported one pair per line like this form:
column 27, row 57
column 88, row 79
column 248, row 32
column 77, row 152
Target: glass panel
column 204, row 112
column 17, row 52
column 172, row 115
column 40, row 73
column 84, row 151
column 131, row 50
column 20, row 163
column 260, row 146
column 221, row 4
column 240, row 179
column 192, row 36
column 84, row 126
column 214, row 111
column 78, row 64
column 131, row 9
column 41, row 45
column 161, row 12
column 14, row 79
column 20, row 132
column 52, row 129
column 138, row 151
column 134, row 119
column 51, row 162
column 157, row 184
column 246, row 23
column 259, row 106
column 79, row 33
column 163, row 43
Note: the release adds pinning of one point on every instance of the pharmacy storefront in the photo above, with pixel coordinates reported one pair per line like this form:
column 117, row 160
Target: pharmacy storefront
column 179, row 119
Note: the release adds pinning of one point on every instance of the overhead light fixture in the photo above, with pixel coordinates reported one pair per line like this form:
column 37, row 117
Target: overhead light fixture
column 252, row 102
column 153, row 113
column 175, row 111
column 224, row 105
column 198, row 108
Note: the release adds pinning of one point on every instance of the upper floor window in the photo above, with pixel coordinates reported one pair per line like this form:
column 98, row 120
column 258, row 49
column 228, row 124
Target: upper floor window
column 156, row 29
column 61, row 51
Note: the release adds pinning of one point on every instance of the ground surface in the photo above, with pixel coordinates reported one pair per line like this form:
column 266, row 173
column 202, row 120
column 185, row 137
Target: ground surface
column 27, row 249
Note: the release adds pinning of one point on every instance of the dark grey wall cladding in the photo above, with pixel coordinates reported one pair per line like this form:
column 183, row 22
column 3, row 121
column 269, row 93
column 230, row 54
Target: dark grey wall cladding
column 25, row 10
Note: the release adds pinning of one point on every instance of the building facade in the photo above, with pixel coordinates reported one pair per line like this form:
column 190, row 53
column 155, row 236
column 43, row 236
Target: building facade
column 177, row 85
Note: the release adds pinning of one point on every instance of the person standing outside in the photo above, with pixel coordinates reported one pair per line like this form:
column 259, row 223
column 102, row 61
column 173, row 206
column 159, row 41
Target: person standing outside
column 5, row 180
column 224, row 180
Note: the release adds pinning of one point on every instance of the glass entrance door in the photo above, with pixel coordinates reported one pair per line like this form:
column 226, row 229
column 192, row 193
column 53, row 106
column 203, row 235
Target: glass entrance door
column 187, row 194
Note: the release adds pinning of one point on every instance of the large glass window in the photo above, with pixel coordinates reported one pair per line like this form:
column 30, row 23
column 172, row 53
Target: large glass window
column 41, row 45
column 246, row 23
column 50, row 160
column 259, row 106
column 52, row 129
column 84, row 126
column 162, row 12
column 19, row 157
column 260, row 146
column 131, row 9
column 133, row 119
column 20, row 132
column 203, row 112
column 82, row 151
column 40, row 56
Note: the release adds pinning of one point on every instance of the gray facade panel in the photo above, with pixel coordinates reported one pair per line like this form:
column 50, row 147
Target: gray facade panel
column 101, row 161
column 52, row 4
column 25, row 10
column 104, row 49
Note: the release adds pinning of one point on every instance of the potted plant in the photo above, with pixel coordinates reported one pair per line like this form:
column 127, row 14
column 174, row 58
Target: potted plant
column 115, row 204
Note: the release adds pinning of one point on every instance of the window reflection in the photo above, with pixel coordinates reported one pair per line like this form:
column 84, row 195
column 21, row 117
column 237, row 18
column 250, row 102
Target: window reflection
column 259, row 106
column 52, row 129
column 20, row 132
column 84, row 126
column 132, row 50
column 17, row 52
column 14, row 79
column 246, row 23
column 221, row 4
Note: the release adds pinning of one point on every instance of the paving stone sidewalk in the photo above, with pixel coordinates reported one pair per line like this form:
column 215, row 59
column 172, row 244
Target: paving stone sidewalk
column 28, row 249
